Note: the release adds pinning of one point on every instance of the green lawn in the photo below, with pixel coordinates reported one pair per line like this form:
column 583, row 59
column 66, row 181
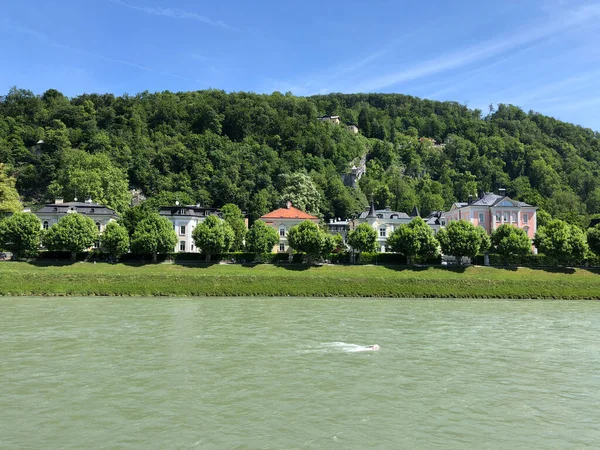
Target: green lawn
column 19, row 278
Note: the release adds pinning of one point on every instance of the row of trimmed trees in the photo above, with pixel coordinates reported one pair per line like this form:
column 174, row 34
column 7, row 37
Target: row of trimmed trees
column 22, row 235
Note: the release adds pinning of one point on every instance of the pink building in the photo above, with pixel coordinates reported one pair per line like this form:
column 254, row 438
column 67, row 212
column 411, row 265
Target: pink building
column 490, row 210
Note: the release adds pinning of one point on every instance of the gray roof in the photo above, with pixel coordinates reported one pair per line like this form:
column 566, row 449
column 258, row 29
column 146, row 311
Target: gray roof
column 434, row 218
column 188, row 210
column 385, row 214
column 89, row 209
column 491, row 199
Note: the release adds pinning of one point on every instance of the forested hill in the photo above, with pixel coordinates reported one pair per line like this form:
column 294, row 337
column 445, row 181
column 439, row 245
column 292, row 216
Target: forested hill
column 214, row 148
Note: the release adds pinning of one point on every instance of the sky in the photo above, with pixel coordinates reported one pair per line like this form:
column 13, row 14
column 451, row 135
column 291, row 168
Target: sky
column 539, row 55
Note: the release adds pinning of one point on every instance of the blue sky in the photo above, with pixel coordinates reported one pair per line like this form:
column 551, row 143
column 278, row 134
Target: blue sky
column 540, row 55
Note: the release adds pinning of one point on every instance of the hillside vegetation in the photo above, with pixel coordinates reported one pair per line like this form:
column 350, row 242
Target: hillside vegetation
column 214, row 148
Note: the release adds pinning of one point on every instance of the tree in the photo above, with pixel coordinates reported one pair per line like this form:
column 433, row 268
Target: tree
column 115, row 240
column 154, row 234
column 302, row 192
column 363, row 238
column 20, row 234
column 404, row 241
column 593, row 239
column 308, row 238
column 233, row 216
column 414, row 239
column 73, row 233
column 213, row 236
column 261, row 238
column 91, row 176
column 508, row 240
column 9, row 197
column 461, row 238
column 561, row 241
column 339, row 245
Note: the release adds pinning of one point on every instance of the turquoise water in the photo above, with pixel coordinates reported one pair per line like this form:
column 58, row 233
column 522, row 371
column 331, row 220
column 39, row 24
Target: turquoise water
column 274, row 373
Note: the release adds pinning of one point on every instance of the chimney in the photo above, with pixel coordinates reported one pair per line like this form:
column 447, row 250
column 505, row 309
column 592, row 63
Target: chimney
column 288, row 205
column 502, row 192
column 58, row 201
column 387, row 207
column 470, row 199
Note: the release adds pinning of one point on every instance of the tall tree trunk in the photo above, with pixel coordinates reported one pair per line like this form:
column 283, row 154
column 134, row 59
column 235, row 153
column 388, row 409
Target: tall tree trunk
column 154, row 257
column 208, row 255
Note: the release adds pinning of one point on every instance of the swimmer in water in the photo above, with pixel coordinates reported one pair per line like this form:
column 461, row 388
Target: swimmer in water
column 374, row 347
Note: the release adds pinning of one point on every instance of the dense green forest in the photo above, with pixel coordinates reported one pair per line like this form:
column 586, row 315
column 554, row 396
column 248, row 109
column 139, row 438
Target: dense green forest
column 256, row 151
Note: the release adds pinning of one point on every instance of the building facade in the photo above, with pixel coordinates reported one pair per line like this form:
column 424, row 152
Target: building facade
column 51, row 213
column 383, row 221
column 490, row 210
column 184, row 219
column 339, row 226
column 282, row 220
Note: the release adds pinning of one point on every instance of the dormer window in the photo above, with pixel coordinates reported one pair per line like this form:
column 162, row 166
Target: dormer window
column 45, row 225
column 394, row 216
column 98, row 225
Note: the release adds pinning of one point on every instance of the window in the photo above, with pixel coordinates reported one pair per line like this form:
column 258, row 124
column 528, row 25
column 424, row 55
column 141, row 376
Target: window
column 98, row 226
column 394, row 216
column 526, row 230
column 497, row 217
column 505, row 217
column 282, row 231
column 382, row 232
column 192, row 247
column 380, row 216
column 45, row 225
column 97, row 244
column 182, row 230
column 525, row 218
column 443, row 222
column 514, row 217
column 182, row 246
column 282, row 247
column 481, row 218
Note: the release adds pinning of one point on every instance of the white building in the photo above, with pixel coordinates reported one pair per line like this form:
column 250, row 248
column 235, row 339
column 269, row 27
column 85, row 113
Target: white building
column 184, row 219
column 384, row 221
column 53, row 212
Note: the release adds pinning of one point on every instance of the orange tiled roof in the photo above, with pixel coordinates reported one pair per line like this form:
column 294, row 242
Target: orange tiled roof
column 288, row 213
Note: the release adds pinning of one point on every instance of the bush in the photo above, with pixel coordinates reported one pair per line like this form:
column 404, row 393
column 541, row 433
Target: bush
column 539, row 260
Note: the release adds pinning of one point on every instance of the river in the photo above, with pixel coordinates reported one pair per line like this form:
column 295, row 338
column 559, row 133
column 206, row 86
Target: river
column 275, row 373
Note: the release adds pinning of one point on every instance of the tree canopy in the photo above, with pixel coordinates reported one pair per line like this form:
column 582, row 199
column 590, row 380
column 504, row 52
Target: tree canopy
column 363, row 238
column 20, row 234
column 508, row 240
column 463, row 239
column 213, row 236
column 115, row 239
column 257, row 151
column 308, row 238
column 561, row 241
column 73, row 233
column 153, row 235
column 261, row 238
column 414, row 239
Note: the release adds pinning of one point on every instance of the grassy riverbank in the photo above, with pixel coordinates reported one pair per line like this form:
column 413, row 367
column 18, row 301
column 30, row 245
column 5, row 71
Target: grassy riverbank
column 17, row 278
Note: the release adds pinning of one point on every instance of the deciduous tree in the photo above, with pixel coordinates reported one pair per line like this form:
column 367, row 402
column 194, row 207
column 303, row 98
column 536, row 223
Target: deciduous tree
column 154, row 234
column 461, row 238
column 115, row 239
column 73, row 233
column 561, row 241
column 20, row 234
column 261, row 238
column 213, row 236
column 508, row 241
column 363, row 238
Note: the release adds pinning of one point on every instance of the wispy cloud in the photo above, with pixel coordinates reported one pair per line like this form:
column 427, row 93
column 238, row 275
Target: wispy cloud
column 464, row 57
column 174, row 13
column 46, row 40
